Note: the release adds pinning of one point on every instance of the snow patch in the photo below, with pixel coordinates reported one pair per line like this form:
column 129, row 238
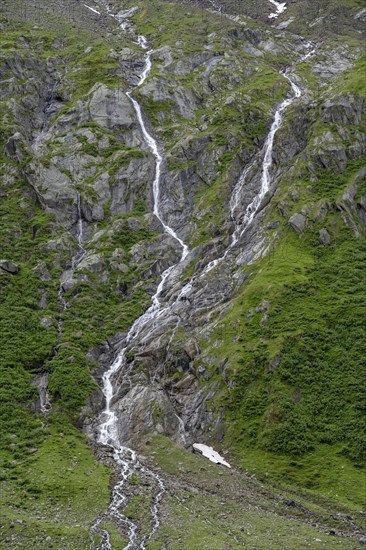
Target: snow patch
column 280, row 7
column 92, row 9
column 209, row 453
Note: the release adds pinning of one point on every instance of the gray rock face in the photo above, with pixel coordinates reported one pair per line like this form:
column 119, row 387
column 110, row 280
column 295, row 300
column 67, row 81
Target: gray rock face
column 55, row 190
column 9, row 267
column 144, row 410
column 353, row 210
column 181, row 99
column 343, row 110
column 111, row 109
column 94, row 263
column 298, row 222
column 42, row 272
column 13, row 146
column 324, row 237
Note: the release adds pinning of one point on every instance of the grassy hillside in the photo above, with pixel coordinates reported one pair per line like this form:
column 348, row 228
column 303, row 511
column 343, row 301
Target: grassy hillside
column 292, row 338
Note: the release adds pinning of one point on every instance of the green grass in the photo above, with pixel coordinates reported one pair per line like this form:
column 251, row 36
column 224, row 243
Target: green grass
column 313, row 400
column 212, row 507
column 57, row 491
column 322, row 474
column 302, row 423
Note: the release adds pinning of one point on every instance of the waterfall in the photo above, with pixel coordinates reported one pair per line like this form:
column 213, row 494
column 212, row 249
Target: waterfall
column 125, row 457
column 253, row 207
column 280, row 8
column 76, row 259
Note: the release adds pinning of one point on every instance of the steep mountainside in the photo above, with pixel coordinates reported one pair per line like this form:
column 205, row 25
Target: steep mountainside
column 183, row 218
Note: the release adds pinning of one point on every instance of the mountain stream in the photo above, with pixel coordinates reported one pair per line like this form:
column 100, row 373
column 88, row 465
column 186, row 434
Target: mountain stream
column 126, row 458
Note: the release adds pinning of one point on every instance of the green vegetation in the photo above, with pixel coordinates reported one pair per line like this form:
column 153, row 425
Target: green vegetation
column 54, row 493
column 292, row 340
column 202, row 510
column 294, row 343
column 51, row 484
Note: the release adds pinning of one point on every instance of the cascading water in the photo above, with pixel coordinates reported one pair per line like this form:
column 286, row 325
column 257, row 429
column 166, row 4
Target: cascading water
column 235, row 201
column 127, row 459
column 253, row 207
column 124, row 457
column 79, row 235
column 74, row 262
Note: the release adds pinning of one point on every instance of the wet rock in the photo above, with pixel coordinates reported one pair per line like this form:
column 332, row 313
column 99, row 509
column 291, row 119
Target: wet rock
column 297, row 222
column 153, row 223
column 9, row 267
column 92, row 212
column 143, row 410
column 70, row 284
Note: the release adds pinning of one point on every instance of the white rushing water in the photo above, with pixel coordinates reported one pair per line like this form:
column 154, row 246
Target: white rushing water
column 253, row 207
column 241, row 225
column 126, row 458
column 92, row 9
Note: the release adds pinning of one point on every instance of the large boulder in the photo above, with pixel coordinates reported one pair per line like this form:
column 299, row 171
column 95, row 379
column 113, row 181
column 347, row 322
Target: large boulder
column 94, row 263
column 297, row 222
column 56, row 191
column 9, row 267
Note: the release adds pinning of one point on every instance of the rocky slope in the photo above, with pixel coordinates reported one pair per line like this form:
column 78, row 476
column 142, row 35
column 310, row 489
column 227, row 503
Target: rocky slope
column 258, row 346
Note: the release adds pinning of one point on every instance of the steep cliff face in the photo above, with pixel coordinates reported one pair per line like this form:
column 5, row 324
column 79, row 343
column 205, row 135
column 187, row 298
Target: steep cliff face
column 257, row 343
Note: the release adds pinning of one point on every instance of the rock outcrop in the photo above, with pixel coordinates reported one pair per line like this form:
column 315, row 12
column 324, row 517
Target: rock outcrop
column 9, row 267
